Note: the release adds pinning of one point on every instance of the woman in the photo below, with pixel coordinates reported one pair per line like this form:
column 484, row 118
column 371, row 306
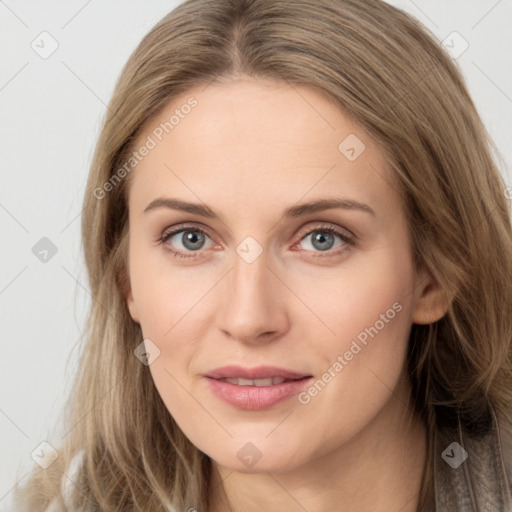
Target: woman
column 299, row 248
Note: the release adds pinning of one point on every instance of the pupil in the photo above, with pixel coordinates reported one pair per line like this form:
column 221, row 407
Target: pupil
column 191, row 239
column 321, row 239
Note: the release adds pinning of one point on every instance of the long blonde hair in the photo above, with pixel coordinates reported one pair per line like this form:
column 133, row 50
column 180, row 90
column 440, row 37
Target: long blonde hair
column 383, row 68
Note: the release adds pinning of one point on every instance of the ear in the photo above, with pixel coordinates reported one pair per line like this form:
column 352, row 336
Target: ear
column 126, row 290
column 431, row 301
column 132, row 307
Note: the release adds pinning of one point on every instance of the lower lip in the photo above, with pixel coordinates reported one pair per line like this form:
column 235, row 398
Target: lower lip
column 256, row 398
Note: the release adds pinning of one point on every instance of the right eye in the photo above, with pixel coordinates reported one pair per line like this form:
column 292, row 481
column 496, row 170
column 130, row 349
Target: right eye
column 191, row 239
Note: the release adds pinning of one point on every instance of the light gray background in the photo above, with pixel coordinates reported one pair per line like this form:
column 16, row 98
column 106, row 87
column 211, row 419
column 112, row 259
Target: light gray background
column 50, row 111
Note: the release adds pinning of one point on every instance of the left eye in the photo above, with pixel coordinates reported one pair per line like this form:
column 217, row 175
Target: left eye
column 324, row 240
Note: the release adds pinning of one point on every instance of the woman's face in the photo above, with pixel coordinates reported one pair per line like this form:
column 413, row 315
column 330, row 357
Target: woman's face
column 310, row 306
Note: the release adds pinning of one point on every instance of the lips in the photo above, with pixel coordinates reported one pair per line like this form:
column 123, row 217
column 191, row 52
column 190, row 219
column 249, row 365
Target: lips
column 271, row 381
column 260, row 372
column 255, row 388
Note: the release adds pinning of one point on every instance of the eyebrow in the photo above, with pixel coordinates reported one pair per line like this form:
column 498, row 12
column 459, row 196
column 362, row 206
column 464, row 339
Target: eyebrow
column 291, row 212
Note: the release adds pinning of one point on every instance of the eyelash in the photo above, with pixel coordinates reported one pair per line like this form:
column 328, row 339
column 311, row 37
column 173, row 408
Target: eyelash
column 349, row 240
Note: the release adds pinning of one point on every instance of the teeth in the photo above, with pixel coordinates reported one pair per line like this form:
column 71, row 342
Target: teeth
column 271, row 381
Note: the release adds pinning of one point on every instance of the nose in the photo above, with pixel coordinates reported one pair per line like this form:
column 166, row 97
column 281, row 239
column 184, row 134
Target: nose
column 253, row 308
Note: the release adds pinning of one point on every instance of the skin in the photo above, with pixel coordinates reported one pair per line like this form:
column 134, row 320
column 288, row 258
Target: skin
column 248, row 150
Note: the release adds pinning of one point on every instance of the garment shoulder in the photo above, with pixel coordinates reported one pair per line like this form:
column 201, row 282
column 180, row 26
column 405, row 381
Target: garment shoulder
column 505, row 432
column 472, row 472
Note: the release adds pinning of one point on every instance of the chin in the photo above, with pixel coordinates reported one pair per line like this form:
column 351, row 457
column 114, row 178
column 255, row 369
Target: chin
column 274, row 465
column 251, row 460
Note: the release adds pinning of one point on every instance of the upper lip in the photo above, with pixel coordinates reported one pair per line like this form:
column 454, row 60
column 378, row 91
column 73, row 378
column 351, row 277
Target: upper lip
column 259, row 372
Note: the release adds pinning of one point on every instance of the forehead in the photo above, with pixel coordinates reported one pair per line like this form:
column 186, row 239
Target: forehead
column 250, row 140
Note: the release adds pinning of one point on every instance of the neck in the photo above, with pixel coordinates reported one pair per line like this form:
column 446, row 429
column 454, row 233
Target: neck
column 378, row 470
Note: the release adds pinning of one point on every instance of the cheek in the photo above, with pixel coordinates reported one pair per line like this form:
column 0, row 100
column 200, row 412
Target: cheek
column 364, row 358
column 369, row 298
column 167, row 297
column 367, row 309
column 174, row 306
